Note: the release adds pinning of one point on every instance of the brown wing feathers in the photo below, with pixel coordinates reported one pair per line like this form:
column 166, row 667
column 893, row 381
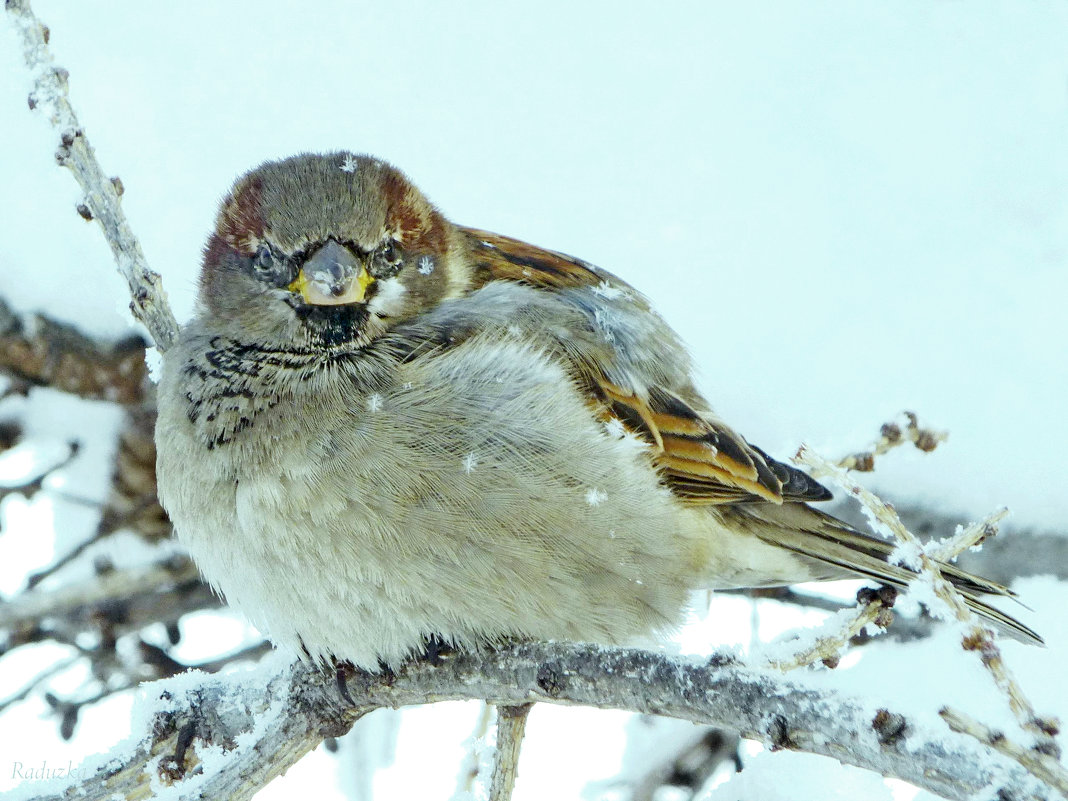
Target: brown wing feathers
column 503, row 258
column 703, row 461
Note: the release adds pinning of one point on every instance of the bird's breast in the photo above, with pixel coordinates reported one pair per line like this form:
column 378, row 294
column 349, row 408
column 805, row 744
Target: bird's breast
column 474, row 494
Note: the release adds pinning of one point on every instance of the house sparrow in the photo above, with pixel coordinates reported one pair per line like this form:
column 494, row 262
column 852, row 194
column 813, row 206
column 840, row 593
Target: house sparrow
column 382, row 429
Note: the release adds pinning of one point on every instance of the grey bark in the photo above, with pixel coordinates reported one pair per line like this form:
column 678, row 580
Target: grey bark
column 285, row 715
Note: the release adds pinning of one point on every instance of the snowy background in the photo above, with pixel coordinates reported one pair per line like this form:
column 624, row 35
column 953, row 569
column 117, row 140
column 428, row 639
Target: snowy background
column 847, row 209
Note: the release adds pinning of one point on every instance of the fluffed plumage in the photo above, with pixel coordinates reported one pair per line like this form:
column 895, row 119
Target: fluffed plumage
column 382, row 428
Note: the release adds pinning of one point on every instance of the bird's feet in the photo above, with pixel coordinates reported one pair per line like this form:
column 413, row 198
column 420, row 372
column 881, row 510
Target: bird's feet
column 436, row 648
column 343, row 669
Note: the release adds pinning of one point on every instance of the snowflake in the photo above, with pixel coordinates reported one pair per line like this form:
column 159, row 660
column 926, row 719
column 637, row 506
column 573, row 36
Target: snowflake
column 608, row 292
column 469, row 463
column 426, row 265
column 596, row 497
column 374, row 403
column 349, row 164
column 605, row 321
column 615, row 429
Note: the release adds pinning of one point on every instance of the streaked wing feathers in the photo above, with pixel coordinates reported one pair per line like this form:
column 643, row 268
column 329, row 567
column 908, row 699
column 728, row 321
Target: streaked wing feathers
column 702, row 460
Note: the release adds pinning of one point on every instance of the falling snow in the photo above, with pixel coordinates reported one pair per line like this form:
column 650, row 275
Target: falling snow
column 469, row 463
column 596, row 497
column 374, row 403
column 426, row 265
column 605, row 321
column 991, row 108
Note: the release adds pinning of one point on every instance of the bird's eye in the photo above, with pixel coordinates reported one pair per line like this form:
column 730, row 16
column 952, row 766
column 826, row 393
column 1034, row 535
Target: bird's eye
column 264, row 261
column 273, row 268
column 386, row 261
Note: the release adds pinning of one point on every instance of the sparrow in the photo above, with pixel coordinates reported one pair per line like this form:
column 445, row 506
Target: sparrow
column 382, row 430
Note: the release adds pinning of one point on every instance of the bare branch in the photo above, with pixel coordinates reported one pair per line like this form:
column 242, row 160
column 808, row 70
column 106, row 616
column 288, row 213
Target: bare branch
column 44, row 352
column 511, row 726
column 667, row 753
column 967, row 537
column 891, row 436
column 29, row 487
column 149, row 304
column 123, row 600
column 1024, row 552
column 268, row 718
column 37, row 681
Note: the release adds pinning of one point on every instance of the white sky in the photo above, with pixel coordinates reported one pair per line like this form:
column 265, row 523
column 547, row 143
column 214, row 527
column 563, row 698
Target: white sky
column 846, row 209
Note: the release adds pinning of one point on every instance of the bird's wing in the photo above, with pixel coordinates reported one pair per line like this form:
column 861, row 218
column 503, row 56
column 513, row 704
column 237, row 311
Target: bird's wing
column 702, row 460
column 638, row 376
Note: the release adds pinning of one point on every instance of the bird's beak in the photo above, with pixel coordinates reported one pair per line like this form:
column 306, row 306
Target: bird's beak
column 333, row 276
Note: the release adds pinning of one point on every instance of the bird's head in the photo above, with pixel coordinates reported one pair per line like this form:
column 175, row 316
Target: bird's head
column 325, row 250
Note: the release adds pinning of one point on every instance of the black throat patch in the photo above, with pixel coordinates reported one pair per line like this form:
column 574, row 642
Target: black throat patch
column 330, row 326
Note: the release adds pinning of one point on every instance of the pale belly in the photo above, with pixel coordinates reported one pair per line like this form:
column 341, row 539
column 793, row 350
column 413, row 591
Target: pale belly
column 477, row 511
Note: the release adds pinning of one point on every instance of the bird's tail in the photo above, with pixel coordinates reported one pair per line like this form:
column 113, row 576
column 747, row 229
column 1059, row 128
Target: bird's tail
column 832, row 544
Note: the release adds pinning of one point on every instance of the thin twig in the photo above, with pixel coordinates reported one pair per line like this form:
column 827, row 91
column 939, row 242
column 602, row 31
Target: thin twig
column 891, row 436
column 113, row 603
column 511, row 726
column 49, row 95
column 102, row 532
column 31, row 486
column 966, row 537
column 977, row 637
column 873, row 608
column 1042, row 766
column 250, row 653
column 39, row 679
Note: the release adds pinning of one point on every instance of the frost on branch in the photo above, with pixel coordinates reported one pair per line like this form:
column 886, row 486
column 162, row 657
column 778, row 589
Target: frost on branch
column 924, row 559
column 892, row 436
column 101, row 202
column 206, row 735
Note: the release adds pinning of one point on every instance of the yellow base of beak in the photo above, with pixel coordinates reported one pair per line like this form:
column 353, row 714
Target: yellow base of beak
column 328, row 293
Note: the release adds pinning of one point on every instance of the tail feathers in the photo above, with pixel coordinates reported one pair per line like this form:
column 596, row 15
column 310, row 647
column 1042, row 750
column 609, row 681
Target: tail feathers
column 811, row 533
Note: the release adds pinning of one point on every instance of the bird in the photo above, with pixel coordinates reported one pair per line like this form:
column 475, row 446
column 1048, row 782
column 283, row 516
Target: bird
column 382, row 430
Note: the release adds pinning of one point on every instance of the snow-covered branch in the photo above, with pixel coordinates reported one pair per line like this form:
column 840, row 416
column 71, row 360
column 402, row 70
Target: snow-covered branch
column 827, row 643
column 1044, row 766
column 926, row 560
column 227, row 736
column 102, row 194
